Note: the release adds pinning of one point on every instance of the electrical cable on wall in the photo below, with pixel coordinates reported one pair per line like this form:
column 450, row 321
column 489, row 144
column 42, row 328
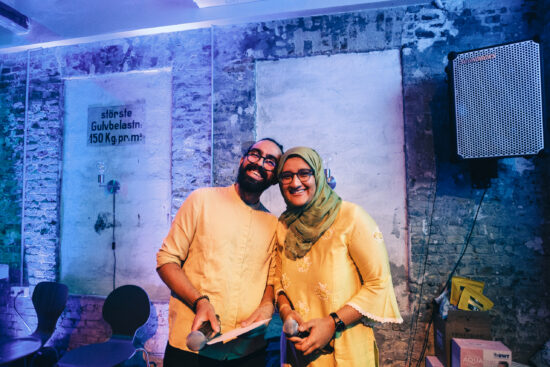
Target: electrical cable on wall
column 449, row 279
column 414, row 323
column 24, row 178
column 113, row 245
column 112, row 187
column 448, row 283
column 17, row 311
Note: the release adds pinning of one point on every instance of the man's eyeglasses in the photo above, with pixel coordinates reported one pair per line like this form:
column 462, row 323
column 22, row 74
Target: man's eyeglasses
column 286, row 177
column 270, row 163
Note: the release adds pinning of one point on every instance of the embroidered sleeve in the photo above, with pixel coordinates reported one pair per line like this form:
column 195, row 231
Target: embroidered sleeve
column 376, row 299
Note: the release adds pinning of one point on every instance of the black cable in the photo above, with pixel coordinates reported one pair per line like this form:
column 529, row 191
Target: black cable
column 425, row 344
column 113, row 245
column 410, row 350
column 114, row 268
column 16, row 311
column 464, row 248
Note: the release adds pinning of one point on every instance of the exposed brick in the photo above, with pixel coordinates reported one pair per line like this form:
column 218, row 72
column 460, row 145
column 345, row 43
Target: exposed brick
column 510, row 243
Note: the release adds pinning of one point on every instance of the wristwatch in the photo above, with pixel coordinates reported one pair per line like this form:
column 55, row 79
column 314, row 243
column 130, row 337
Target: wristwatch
column 339, row 325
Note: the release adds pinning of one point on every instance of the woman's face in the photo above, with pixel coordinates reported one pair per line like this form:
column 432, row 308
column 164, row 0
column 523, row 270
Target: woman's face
column 297, row 181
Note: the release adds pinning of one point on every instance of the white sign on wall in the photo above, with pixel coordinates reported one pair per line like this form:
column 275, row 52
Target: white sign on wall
column 117, row 126
column 347, row 107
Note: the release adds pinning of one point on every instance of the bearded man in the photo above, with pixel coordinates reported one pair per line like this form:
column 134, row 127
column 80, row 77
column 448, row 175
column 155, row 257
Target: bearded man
column 216, row 260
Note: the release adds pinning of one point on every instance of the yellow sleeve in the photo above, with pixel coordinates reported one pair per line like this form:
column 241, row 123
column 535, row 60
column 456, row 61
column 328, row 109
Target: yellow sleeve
column 376, row 298
column 175, row 246
column 277, row 262
column 272, row 271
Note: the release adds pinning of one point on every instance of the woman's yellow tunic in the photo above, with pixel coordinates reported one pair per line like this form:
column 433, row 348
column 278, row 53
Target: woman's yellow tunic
column 348, row 265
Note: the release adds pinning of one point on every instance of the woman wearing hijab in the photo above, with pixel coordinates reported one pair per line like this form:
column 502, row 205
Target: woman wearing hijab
column 332, row 270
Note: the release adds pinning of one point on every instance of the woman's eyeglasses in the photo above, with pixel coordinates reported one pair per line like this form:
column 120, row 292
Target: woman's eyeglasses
column 269, row 163
column 286, row 177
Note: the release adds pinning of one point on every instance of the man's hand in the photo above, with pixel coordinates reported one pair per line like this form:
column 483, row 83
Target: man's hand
column 173, row 275
column 264, row 311
column 320, row 334
column 205, row 312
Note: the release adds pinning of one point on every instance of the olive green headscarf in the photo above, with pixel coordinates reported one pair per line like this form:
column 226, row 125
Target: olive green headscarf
column 306, row 224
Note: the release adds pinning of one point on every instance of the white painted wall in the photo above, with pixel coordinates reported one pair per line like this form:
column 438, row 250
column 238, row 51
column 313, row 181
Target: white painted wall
column 348, row 107
column 143, row 170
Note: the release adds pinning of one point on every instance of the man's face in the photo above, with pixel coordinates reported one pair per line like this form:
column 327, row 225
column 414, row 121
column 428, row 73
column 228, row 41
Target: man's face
column 255, row 174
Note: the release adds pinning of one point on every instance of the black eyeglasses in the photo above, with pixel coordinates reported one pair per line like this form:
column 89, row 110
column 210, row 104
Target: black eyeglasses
column 286, row 177
column 270, row 163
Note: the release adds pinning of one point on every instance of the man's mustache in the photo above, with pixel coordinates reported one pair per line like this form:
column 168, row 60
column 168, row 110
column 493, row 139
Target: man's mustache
column 260, row 169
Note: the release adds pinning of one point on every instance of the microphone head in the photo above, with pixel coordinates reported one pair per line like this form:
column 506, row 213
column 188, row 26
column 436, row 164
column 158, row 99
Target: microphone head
column 290, row 327
column 196, row 340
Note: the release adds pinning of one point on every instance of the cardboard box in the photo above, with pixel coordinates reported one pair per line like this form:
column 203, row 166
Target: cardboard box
column 433, row 361
column 480, row 353
column 459, row 324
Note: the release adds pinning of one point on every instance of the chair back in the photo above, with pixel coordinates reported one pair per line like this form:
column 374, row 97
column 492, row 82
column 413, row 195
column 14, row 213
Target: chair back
column 49, row 300
column 126, row 309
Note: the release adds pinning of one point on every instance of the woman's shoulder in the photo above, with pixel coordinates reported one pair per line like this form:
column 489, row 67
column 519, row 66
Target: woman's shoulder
column 349, row 208
column 355, row 213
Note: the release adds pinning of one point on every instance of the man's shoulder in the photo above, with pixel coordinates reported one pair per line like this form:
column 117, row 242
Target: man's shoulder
column 206, row 192
column 204, row 196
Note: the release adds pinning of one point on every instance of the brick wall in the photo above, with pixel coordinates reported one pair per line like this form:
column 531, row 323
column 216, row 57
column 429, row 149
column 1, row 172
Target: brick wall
column 510, row 243
column 188, row 56
column 13, row 76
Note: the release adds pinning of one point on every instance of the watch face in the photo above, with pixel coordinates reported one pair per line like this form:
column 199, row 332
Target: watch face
column 339, row 324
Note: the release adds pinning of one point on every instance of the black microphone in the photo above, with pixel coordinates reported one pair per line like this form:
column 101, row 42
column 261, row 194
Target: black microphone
column 196, row 340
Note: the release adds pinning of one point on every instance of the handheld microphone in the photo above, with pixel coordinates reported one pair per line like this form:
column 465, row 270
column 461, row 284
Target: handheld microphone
column 290, row 328
column 196, row 340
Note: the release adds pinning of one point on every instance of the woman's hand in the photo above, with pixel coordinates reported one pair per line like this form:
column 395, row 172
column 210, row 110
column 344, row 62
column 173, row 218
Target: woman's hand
column 320, row 334
column 264, row 311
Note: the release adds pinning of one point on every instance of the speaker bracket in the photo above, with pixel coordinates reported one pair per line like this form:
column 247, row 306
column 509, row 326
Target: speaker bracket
column 482, row 171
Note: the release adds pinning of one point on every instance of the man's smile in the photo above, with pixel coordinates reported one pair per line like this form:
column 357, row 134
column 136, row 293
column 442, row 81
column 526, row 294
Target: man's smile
column 255, row 173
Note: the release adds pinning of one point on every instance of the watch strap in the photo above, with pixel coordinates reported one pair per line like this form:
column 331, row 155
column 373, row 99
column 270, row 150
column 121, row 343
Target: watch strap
column 339, row 325
column 196, row 302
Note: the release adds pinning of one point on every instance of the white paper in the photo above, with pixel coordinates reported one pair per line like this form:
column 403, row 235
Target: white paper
column 230, row 335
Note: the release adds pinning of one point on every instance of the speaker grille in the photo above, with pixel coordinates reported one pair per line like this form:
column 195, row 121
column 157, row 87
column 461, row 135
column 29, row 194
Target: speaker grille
column 498, row 101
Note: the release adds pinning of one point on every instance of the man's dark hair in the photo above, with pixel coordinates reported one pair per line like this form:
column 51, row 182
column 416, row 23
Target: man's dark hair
column 269, row 139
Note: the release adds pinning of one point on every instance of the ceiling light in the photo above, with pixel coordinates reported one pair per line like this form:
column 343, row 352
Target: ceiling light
column 210, row 3
column 13, row 20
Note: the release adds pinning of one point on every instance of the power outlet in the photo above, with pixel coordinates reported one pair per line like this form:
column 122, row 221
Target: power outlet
column 21, row 291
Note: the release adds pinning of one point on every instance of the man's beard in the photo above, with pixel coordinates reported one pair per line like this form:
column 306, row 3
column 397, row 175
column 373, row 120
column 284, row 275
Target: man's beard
column 249, row 184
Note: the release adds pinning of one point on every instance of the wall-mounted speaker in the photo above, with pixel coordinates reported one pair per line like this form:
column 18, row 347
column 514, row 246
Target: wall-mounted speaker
column 497, row 101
